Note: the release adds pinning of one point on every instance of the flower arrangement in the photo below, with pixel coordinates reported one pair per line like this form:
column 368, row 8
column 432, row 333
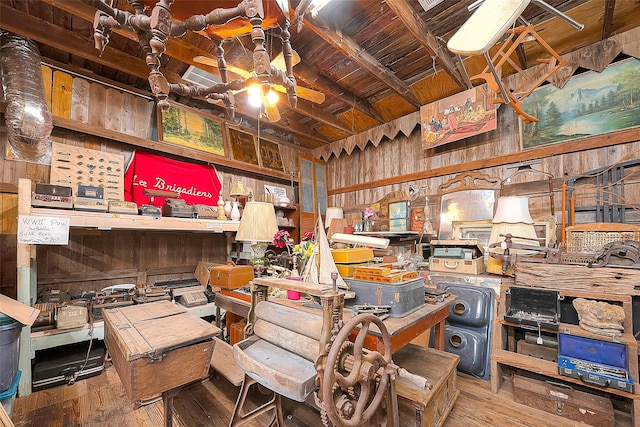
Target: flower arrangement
column 368, row 213
column 304, row 250
column 281, row 239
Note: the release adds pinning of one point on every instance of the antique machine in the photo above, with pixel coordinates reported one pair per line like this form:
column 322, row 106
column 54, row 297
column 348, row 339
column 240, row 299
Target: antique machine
column 353, row 386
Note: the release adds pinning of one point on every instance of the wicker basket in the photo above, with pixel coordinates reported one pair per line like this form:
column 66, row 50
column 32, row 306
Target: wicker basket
column 590, row 238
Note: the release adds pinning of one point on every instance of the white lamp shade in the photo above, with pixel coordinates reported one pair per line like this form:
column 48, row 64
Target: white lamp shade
column 512, row 209
column 258, row 223
column 332, row 213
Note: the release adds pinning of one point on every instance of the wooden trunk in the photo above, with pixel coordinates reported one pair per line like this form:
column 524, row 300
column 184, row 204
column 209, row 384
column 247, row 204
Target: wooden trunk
column 424, row 407
column 564, row 401
column 158, row 346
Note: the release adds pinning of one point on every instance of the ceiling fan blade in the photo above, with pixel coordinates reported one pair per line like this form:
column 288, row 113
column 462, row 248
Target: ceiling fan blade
column 278, row 61
column 272, row 111
column 213, row 62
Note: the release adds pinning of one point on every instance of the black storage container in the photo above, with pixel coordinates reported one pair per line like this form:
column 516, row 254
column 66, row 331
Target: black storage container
column 65, row 365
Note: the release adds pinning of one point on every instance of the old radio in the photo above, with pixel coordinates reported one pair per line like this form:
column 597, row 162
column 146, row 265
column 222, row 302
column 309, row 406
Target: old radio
column 90, row 198
column 52, row 196
column 177, row 208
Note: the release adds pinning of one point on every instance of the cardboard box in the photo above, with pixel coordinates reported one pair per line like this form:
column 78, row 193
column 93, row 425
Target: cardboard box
column 459, row 256
column 17, row 310
column 157, row 347
column 203, row 272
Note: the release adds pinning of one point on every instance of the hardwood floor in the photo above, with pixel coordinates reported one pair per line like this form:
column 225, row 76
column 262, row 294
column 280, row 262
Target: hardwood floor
column 102, row 401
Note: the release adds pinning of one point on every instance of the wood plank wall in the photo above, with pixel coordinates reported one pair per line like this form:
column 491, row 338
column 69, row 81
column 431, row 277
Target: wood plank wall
column 93, row 260
column 404, row 156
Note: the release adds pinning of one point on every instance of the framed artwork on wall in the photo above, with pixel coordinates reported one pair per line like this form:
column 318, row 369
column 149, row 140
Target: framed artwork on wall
column 242, row 146
column 183, row 126
column 398, row 216
column 589, row 104
column 270, row 156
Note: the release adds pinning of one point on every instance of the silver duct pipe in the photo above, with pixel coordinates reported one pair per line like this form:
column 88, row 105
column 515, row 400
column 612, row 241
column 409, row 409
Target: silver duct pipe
column 27, row 117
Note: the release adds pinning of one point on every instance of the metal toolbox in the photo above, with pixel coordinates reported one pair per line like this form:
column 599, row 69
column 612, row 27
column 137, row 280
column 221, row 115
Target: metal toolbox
column 403, row 297
column 534, row 308
column 66, row 365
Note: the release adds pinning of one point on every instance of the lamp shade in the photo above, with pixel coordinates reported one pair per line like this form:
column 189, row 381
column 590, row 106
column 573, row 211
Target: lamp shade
column 512, row 209
column 333, row 213
column 258, row 223
column 237, row 189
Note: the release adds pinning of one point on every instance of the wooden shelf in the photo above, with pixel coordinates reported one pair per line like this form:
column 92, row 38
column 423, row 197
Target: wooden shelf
column 108, row 221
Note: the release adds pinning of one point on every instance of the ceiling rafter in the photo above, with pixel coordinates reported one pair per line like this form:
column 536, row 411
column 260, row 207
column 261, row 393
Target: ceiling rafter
column 56, row 37
column 607, row 22
column 421, row 32
column 358, row 54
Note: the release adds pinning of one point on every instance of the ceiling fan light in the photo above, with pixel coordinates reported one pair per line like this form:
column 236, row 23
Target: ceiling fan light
column 272, row 97
column 255, row 95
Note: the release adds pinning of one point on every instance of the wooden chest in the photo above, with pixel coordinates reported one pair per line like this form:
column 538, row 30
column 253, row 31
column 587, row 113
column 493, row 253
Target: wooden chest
column 424, row 407
column 157, row 346
column 558, row 399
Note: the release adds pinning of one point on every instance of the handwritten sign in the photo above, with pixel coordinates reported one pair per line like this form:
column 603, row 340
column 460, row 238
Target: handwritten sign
column 36, row 230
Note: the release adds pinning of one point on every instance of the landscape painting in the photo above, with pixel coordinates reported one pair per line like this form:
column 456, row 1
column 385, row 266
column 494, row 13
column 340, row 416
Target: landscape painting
column 189, row 129
column 589, row 104
column 459, row 116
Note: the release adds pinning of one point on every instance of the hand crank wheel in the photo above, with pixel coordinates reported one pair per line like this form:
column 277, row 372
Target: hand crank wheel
column 353, row 387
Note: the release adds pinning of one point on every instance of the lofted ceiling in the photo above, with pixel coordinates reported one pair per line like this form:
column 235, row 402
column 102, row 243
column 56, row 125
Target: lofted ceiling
column 375, row 61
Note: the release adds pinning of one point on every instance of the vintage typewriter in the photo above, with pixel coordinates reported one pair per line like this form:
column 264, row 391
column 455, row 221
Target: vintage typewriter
column 52, row 196
column 150, row 210
column 599, row 362
column 205, row 211
column 90, row 198
column 534, row 308
column 177, row 208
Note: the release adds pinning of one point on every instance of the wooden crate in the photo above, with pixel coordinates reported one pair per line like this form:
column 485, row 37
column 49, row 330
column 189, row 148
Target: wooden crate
column 157, row 347
column 424, row 407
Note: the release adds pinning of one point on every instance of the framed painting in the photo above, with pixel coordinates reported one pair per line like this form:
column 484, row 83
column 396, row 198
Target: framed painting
column 270, row 156
column 188, row 128
column 589, row 104
column 459, row 116
column 398, row 216
column 242, row 146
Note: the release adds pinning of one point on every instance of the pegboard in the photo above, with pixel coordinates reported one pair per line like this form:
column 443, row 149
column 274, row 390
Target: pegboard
column 72, row 166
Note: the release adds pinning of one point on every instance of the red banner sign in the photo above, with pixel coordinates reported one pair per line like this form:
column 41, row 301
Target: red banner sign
column 195, row 183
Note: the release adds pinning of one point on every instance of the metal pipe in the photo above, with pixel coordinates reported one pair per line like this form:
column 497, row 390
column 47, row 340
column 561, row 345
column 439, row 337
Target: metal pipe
column 575, row 24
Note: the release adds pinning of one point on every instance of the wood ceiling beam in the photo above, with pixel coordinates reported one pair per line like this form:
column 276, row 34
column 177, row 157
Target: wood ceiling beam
column 607, row 23
column 327, row 86
column 359, row 55
column 421, row 32
column 44, row 32
column 310, row 109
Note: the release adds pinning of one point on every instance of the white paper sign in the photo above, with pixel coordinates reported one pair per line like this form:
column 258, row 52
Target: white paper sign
column 276, row 191
column 37, row 230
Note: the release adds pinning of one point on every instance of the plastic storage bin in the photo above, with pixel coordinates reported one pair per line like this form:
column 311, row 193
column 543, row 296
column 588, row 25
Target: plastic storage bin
column 9, row 350
column 8, row 397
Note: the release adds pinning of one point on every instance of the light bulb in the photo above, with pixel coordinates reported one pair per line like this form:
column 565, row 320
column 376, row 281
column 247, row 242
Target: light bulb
column 255, row 95
column 272, row 97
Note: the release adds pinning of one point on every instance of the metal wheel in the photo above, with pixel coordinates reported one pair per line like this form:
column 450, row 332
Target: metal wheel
column 354, row 385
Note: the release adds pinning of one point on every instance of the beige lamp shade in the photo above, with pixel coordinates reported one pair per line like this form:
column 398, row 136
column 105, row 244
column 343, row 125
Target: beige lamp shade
column 237, row 189
column 512, row 209
column 332, row 213
column 258, row 223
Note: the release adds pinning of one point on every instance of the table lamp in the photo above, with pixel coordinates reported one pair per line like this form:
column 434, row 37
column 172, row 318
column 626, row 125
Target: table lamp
column 512, row 217
column 237, row 190
column 258, row 226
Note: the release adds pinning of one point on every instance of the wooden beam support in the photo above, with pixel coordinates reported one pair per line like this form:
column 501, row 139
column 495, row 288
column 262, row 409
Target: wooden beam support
column 313, row 78
column 59, row 38
column 310, row 109
column 583, row 144
column 358, row 54
column 421, row 32
column 607, row 23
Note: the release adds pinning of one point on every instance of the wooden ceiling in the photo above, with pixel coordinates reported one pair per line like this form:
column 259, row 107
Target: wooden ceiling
column 374, row 60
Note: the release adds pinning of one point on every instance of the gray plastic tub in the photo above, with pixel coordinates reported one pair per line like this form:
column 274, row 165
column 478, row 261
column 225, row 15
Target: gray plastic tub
column 9, row 350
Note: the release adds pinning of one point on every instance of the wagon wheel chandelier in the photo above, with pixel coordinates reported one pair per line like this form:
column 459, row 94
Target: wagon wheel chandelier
column 153, row 30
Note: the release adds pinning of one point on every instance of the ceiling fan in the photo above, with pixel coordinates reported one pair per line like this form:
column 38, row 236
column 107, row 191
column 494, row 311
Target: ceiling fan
column 264, row 91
